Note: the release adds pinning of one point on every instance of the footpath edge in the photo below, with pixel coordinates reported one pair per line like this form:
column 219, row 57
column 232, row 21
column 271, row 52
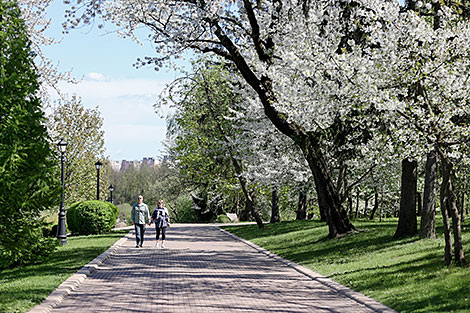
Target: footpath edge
column 76, row 279
column 328, row 282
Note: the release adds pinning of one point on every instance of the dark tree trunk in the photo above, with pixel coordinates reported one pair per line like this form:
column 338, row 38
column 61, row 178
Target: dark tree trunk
column 337, row 219
column 350, row 205
column 449, row 205
column 407, row 222
column 358, row 195
column 462, row 201
column 419, row 196
column 366, row 206
column 428, row 218
column 376, row 204
column 275, row 217
column 302, row 206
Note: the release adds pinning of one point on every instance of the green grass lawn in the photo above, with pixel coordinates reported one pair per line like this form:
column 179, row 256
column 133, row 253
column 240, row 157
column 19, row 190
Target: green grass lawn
column 408, row 275
column 23, row 287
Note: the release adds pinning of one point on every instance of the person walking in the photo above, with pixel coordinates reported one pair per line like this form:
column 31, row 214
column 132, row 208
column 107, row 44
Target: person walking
column 140, row 215
column 161, row 218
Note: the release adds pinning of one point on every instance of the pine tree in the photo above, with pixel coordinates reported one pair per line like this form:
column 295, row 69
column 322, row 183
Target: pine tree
column 28, row 173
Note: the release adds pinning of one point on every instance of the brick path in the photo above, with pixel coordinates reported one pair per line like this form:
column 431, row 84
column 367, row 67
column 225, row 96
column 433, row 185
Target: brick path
column 204, row 270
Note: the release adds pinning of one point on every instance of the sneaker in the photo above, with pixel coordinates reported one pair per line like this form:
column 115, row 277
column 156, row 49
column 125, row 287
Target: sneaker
column 140, row 246
column 163, row 246
column 157, row 246
column 137, row 246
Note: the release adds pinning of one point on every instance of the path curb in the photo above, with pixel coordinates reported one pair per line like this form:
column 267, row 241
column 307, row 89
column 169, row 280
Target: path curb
column 76, row 279
column 347, row 292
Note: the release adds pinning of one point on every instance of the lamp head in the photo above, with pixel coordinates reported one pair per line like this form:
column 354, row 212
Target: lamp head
column 98, row 165
column 62, row 145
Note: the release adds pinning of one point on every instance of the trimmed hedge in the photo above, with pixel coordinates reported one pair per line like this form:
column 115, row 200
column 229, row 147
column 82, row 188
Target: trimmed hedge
column 92, row 217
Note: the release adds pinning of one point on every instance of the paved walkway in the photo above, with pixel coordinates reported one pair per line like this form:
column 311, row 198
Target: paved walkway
column 205, row 269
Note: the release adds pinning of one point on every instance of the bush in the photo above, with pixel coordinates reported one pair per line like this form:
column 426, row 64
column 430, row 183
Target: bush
column 91, row 217
column 183, row 211
column 27, row 245
column 223, row 219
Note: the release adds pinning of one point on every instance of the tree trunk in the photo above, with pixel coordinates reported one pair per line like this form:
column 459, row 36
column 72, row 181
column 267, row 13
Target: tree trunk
column 428, row 218
column 302, row 206
column 449, row 204
column 407, row 222
column 337, row 219
column 366, row 206
column 462, row 203
column 358, row 195
column 376, row 204
column 275, row 218
column 419, row 196
column 350, row 205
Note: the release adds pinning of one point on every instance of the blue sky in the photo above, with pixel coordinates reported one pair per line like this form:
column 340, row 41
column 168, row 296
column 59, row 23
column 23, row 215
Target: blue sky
column 123, row 94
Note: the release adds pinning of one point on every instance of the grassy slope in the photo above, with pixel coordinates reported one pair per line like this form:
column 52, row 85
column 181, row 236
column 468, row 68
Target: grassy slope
column 407, row 274
column 23, row 287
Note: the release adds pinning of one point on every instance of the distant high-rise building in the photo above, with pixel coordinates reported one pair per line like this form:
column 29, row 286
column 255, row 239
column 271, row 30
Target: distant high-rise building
column 115, row 165
column 150, row 162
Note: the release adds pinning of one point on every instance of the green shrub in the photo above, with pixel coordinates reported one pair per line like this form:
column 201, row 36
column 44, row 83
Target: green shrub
column 91, row 217
column 183, row 211
column 223, row 219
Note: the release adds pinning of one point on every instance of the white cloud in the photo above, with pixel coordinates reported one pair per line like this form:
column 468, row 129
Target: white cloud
column 95, row 76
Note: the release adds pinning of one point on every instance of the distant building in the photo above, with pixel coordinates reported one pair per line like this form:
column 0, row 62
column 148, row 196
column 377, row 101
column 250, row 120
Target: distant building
column 116, row 165
column 150, row 162
column 124, row 164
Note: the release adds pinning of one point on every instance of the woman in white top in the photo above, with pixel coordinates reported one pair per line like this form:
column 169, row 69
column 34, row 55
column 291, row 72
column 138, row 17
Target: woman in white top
column 161, row 218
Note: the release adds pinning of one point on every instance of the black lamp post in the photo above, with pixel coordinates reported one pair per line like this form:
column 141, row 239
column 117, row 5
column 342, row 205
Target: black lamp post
column 111, row 189
column 61, row 228
column 98, row 165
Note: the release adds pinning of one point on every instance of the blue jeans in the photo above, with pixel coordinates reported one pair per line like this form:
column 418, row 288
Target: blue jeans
column 139, row 234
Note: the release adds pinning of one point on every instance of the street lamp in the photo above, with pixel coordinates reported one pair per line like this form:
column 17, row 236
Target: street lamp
column 98, row 165
column 61, row 228
column 111, row 189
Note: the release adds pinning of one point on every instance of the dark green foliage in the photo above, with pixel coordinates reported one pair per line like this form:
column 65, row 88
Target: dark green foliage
column 28, row 172
column 223, row 219
column 92, row 217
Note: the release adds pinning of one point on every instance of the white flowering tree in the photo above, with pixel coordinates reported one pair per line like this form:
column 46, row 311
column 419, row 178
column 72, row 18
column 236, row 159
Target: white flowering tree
column 34, row 12
column 261, row 39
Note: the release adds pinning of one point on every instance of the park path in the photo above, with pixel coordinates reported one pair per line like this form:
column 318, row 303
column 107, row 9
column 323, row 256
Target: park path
column 204, row 269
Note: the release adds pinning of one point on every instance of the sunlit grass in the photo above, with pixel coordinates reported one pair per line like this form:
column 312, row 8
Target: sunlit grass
column 408, row 274
column 23, row 287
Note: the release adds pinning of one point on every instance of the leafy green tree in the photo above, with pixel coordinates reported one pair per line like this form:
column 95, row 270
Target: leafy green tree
column 28, row 172
column 81, row 128
column 204, row 133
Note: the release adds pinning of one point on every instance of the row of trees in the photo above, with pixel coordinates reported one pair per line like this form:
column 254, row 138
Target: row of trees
column 29, row 158
column 354, row 84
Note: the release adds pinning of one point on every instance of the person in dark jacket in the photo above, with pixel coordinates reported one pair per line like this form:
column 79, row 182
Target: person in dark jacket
column 161, row 218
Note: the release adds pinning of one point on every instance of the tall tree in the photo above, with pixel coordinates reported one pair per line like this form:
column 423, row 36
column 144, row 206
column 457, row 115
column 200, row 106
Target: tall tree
column 82, row 129
column 28, row 171
column 203, row 117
